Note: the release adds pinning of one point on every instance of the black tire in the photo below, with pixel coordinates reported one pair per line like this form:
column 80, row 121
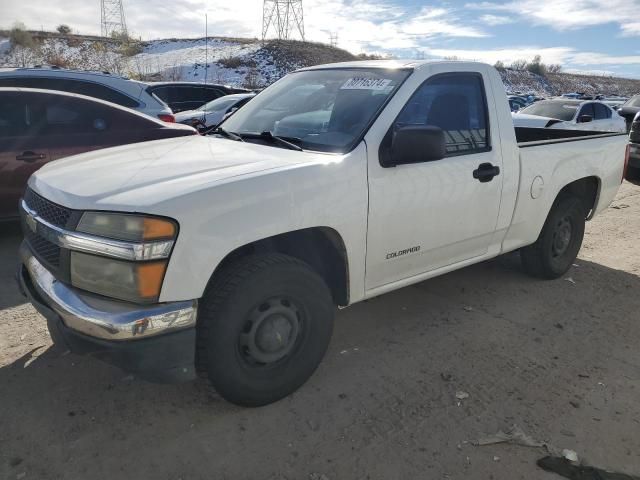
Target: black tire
column 249, row 317
column 633, row 175
column 559, row 242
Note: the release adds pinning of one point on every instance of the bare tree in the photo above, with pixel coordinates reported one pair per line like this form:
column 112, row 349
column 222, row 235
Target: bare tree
column 519, row 64
column 252, row 80
column 26, row 56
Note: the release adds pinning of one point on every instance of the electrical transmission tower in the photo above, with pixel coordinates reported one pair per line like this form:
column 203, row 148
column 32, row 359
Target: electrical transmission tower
column 112, row 18
column 333, row 39
column 284, row 16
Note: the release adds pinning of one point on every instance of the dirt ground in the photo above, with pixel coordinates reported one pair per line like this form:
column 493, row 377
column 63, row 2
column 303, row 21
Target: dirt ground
column 559, row 359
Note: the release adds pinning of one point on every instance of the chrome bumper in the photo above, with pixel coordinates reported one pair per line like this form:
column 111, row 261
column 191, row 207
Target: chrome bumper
column 108, row 319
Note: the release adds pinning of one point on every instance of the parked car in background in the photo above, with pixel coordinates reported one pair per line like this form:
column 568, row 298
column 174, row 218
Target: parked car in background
column 102, row 85
column 214, row 112
column 38, row 126
column 613, row 101
column 633, row 168
column 517, row 103
column 629, row 109
column 570, row 114
column 182, row 96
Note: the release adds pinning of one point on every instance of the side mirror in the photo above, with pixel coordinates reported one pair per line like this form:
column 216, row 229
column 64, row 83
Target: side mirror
column 417, row 144
column 585, row 119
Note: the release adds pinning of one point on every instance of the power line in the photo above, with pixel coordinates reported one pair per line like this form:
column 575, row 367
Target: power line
column 284, row 16
column 333, row 39
column 112, row 19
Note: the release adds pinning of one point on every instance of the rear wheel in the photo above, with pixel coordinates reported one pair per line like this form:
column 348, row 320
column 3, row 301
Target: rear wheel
column 559, row 242
column 265, row 325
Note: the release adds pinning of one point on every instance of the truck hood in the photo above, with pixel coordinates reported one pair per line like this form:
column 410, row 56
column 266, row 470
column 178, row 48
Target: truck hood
column 534, row 121
column 143, row 174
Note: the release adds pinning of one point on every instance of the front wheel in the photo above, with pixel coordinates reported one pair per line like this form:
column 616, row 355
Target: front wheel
column 633, row 175
column 265, row 325
column 559, row 242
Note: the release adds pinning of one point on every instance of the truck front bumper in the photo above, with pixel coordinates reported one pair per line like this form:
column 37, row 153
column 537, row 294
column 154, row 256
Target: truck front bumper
column 156, row 343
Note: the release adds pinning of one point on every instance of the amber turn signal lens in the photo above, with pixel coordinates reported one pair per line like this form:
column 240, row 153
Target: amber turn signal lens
column 155, row 228
column 150, row 277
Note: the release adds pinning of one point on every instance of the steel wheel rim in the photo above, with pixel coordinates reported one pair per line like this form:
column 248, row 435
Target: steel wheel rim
column 271, row 332
column 561, row 237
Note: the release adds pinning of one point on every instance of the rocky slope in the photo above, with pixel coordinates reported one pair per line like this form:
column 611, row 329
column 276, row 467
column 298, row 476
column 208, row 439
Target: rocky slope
column 243, row 62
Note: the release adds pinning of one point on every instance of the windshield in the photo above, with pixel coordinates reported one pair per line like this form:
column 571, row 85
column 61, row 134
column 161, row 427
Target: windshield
column 322, row 110
column 558, row 110
column 633, row 102
column 218, row 104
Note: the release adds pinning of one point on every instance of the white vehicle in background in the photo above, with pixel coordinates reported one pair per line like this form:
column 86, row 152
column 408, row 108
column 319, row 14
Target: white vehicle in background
column 567, row 114
column 614, row 102
column 213, row 112
column 101, row 85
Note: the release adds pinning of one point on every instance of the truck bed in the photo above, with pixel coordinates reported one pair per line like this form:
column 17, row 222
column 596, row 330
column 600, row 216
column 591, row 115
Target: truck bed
column 528, row 135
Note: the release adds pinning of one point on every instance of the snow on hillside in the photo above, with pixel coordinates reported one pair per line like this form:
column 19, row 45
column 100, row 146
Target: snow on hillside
column 559, row 83
column 245, row 62
column 229, row 61
column 186, row 60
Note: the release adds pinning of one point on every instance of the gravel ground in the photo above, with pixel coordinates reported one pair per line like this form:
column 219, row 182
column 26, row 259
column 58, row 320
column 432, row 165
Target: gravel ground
column 559, row 359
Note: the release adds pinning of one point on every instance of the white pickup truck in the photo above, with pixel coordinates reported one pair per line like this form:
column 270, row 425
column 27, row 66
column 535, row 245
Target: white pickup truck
column 227, row 254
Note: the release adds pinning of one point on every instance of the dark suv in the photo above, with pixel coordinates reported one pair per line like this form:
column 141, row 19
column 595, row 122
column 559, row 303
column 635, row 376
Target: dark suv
column 633, row 168
column 629, row 109
column 182, row 96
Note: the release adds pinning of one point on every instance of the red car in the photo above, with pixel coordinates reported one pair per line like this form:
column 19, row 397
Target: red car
column 38, row 126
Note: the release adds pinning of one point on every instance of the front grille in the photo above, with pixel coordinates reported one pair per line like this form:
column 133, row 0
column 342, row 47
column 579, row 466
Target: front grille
column 47, row 210
column 44, row 249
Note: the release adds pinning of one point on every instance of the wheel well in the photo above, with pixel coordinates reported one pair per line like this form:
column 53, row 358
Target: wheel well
column 320, row 247
column 586, row 189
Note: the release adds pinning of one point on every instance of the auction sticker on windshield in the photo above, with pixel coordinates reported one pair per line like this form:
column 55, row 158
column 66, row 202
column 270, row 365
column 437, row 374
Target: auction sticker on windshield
column 361, row 83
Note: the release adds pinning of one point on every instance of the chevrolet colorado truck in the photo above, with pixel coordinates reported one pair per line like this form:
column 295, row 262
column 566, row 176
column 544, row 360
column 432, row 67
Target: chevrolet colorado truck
column 227, row 254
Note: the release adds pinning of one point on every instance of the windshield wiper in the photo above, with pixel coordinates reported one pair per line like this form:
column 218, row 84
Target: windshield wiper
column 282, row 141
column 227, row 134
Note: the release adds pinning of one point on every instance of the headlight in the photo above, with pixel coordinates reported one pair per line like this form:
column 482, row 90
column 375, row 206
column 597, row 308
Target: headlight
column 134, row 228
column 131, row 281
column 143, row 245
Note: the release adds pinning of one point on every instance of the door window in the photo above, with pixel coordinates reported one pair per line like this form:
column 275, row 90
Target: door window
column 52, row 114
column 587, row 110
column 13, row 115
column 602, row 111
column 81, row 87
column 457, row 104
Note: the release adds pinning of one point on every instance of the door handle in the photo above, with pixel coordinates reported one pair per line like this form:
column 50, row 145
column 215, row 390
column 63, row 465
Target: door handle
column 30, row 156
column 485, row 172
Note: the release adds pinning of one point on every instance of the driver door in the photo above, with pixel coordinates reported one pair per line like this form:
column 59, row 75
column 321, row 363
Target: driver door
column 428, row 215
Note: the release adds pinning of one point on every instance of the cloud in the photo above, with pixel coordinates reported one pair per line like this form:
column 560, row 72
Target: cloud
column 561, row 55
column 493, row 20
column 571, row 14
column 434, row 22
column 506, row 55
column 367, row 25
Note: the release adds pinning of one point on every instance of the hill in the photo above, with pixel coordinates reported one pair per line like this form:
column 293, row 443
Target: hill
column 241, row 62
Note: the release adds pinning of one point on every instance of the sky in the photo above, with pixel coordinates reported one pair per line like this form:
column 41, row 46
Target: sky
column 582, row 35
